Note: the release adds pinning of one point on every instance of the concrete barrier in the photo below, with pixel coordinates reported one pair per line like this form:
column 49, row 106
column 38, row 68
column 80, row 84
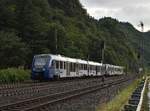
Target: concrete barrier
column 142, row 96
column 135, row 102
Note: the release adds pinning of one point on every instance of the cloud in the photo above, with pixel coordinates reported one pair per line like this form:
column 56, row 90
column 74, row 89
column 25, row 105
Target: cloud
column 132, row 11
column 113, row 3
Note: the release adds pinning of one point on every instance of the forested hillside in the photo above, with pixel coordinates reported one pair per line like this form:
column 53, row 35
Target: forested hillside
column 29, row 27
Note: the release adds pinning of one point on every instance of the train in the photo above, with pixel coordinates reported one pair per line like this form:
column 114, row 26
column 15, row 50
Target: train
column 49, row 66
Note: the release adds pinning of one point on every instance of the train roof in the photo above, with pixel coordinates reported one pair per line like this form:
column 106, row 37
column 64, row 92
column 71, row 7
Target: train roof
column 67, row 59
column 114, row 66
column 95, row 63
column 74, row 60
column 82, row 61
column 62, row 58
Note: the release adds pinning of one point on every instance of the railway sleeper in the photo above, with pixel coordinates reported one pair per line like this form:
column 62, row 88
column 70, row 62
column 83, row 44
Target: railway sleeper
column 130, row 107
column 134, row 101
column 135, row 96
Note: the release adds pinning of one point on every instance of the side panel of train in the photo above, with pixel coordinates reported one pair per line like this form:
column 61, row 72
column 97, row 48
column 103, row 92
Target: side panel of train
column 113, row 70
column 63, row 69
column 53, row 66
column 68, row 69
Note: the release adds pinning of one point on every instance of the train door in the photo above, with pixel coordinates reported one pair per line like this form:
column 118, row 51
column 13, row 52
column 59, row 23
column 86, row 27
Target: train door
column 52, row 70
column 67, row 69
column 101, row 73
column 77, row 69
column 96, row 67
column 88, row 69
column 56, row 69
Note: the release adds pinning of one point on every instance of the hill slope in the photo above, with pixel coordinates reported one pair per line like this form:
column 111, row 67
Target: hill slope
column 29, row 27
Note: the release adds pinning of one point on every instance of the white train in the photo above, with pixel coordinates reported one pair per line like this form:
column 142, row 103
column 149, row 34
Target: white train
column 48, row 66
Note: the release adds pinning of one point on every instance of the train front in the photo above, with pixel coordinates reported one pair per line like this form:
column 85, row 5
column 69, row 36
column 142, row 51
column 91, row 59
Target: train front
column 40, row 67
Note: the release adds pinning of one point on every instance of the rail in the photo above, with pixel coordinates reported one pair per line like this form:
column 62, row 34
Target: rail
column 40, row 102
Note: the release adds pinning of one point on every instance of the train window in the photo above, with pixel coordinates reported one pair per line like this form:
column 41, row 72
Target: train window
column 90, row 67
column 67, row 65
column 70, row 64
column 100, row 68
column 64, row 65
column 97, row 69
column 94, row 68
column 74, row 67
column 84, row 66
column 57, row 64
column 53, row 63
column 87, row 67
column 79, row 65
column 71, row 68
column 61, row 65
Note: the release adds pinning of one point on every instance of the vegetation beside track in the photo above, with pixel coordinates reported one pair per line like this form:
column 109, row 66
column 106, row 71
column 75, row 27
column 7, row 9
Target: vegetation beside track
column 11, row 75
column 28, row 27
column 120, row 100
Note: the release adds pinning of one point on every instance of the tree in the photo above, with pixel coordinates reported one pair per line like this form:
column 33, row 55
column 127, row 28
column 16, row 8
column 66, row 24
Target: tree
column 13, row 52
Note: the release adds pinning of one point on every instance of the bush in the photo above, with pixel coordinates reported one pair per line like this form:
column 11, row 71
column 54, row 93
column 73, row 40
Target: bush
column 14, row 75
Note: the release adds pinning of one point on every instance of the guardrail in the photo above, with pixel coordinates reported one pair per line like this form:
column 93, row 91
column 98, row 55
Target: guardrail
column 142, row 95
column 136, row 99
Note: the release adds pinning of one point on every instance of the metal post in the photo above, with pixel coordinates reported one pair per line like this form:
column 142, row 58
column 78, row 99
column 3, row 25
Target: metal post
column 56, row 41
column 142, row 46
column 102, row 51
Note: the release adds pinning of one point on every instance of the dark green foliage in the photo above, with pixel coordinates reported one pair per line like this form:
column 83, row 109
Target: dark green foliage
column 13, row 52
column 62, row 27
column 14, row 75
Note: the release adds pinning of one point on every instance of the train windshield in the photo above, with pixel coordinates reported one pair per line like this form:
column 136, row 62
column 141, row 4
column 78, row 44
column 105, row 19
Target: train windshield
column 41, row 60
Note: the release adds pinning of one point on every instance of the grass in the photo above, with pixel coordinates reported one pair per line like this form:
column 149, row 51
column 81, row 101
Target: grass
column 120, row 100
column 11, row 75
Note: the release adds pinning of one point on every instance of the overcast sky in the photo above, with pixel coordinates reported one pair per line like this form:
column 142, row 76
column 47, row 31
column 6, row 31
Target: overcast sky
column 132, row 11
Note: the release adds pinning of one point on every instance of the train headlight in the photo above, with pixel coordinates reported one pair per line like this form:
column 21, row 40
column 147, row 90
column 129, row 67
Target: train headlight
column 43, row 69
column 34, row 69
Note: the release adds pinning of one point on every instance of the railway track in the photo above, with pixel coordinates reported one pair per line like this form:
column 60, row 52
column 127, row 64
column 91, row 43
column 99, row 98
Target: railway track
column 37, row 87
column 30, row 84
column 21, row 85
column 41, row 103
column 12, row 95
column 37, row 83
